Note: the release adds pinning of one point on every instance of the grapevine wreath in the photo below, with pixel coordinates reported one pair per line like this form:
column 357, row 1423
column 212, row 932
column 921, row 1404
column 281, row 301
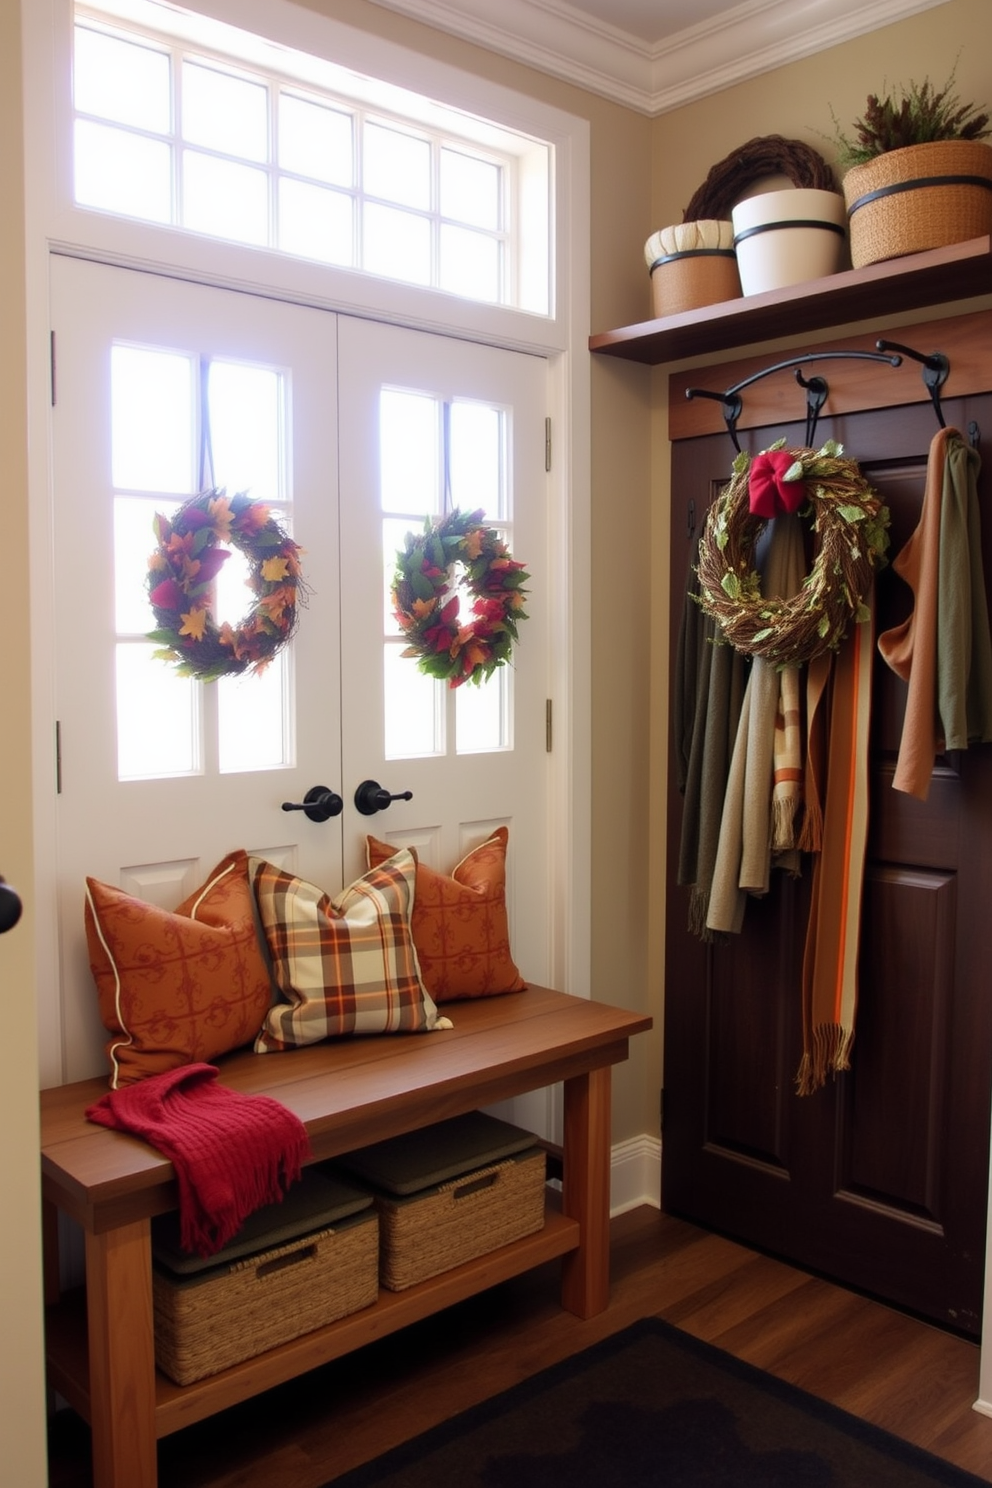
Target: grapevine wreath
column 427, row 610
column 850, row 538
column 192, row 548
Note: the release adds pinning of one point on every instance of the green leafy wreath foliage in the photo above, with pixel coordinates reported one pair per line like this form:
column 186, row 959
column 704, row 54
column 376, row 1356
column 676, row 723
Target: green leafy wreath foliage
column 192, row 549
column 446, row 645
column 850, row 538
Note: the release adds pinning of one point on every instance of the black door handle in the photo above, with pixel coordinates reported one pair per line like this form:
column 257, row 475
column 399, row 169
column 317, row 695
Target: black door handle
column 319, row 804
column 371, row 797
column 10, row 906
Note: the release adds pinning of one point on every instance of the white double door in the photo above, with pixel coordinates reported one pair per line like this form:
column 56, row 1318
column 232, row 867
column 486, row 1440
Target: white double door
column 352, row 432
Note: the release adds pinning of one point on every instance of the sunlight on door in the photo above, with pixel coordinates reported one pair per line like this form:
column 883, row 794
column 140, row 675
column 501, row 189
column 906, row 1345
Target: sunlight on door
column 179, row 423
column 435, row 456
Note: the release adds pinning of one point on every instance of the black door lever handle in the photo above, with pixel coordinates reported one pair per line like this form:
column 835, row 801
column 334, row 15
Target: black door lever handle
column 319, row 804
column 371, row 797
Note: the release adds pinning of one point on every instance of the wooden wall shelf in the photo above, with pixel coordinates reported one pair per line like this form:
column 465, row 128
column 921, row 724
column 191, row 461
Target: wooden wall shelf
column 940, row 276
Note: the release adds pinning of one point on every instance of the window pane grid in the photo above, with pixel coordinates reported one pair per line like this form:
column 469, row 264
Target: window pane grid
column 253, row 160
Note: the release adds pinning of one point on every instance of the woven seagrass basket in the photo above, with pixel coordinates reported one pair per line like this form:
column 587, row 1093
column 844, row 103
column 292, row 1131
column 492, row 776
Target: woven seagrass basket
column 210, row 1320
column 692, row 264
column 917, row 198
column 451, row 1223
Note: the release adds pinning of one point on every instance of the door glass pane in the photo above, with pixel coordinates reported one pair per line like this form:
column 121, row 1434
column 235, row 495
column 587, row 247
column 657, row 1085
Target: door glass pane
column 152, row 420
column 476, row 457
column 119, row 80
column 124, row 173
column 397, row 244
column 397, row 166
column 470, row 189
column 469, row 263
column 409, row 452
column 316, row 223
column 254, row 719
column 225, row 113
column 247, row 428
column 225, row 199
column 394, row 531
column 316, row 141
column 134, row 541
column 148, row 692
column 414, row 716
column 481, row 715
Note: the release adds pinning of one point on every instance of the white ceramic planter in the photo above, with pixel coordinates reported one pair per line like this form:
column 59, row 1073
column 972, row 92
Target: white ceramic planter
column 788, row 237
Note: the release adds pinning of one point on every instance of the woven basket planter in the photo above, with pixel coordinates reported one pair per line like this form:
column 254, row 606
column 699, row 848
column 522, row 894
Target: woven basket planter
column 920, row 197
column 692, row 264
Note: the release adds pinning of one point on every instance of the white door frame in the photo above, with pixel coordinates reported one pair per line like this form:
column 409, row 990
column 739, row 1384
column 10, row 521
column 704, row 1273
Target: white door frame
column 563, row 338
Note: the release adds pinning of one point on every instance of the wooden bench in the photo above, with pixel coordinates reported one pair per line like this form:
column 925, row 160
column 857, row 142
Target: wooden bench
column 101, row 1347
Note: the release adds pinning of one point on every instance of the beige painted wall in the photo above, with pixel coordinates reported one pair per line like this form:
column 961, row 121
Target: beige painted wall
column 22, row 1440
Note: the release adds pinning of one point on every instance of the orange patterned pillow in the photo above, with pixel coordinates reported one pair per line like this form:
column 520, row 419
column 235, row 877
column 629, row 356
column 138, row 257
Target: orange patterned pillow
column 181, row 987
column 459, row 924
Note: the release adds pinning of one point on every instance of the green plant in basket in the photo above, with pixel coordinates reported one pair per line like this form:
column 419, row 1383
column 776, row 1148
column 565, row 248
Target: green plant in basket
column 911, row 114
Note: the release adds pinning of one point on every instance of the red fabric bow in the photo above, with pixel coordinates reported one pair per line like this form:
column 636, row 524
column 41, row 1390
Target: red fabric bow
column 769, row 493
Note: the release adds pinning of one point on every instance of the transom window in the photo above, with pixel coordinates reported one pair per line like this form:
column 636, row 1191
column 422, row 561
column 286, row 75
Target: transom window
column 184, row 136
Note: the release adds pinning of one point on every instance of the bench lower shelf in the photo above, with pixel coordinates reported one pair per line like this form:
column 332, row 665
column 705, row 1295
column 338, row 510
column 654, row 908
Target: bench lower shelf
column 177, row 1406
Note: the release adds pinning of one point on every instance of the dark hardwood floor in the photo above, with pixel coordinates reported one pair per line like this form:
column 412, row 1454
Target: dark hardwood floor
column 902, row 1374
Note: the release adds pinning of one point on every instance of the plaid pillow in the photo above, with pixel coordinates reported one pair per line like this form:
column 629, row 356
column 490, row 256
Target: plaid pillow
column 345, row 965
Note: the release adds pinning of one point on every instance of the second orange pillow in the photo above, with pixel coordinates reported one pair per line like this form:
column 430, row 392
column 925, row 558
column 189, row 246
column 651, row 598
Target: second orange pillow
column 459, row 922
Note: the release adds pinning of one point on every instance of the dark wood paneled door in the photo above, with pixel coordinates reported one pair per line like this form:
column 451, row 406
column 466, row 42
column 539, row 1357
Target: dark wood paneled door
column 880, row 1179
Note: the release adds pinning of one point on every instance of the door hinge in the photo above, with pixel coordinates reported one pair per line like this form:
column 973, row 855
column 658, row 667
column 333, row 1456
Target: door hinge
column 547, row 444
column 548, row 726
column 58, row 757
column 51, row 363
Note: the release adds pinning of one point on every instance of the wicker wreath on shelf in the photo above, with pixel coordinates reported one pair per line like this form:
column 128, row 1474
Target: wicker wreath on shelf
column 427, row 609
column 765, row 155
column 850, row 527
column 192, row 549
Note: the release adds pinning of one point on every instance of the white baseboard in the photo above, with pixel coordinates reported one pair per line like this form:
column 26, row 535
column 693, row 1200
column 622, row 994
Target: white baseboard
column 635, row 1174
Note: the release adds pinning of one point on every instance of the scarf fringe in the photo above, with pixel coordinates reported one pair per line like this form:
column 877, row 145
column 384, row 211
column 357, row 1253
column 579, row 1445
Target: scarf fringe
column 830, row 1053
column 699, row 903
column 784, row 823
column 811, row 832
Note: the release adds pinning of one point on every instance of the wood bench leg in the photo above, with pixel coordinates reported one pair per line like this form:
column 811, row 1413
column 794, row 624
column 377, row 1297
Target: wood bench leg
column 586, row 1192
column 122, row 1357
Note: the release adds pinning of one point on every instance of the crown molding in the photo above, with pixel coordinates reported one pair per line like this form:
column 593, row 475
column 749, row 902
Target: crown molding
column 743, row 42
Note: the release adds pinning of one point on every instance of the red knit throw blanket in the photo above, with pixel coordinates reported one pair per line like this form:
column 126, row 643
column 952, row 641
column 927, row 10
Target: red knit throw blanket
column 232, row 1153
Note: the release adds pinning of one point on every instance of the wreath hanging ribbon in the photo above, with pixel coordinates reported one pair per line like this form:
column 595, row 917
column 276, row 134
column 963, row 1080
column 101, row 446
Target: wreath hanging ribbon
column 446, row 645
column 850, row 528
column 192, row 549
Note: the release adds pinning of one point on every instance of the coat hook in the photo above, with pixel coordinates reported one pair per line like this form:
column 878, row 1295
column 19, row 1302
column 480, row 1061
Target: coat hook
column 816, row 395
column 732, row 407
column 936, row 370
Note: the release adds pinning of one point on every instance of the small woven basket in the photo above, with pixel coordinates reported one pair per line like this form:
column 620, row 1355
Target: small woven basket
column 692, row 264
column 215, row 1318
column 917, row 198
column 445, row 1226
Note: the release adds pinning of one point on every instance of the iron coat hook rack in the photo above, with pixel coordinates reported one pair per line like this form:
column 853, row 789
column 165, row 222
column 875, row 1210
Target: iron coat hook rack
column 816, row 387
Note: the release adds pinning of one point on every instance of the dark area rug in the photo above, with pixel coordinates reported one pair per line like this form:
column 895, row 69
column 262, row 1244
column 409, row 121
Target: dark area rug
column 652, row 1407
